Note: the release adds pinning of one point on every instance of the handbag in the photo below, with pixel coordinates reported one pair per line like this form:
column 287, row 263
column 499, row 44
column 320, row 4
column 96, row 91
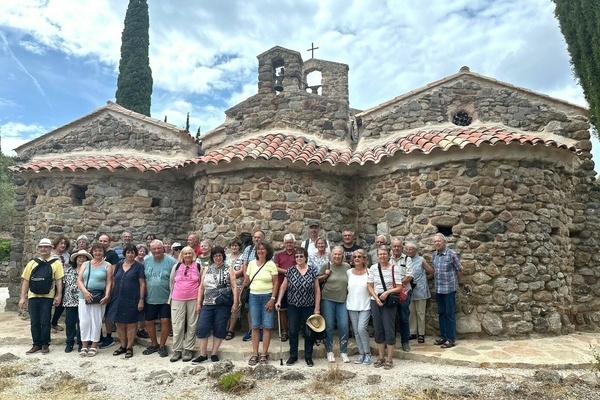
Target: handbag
column 225, row 296
column 322, row 284
column 393, row 299
column 97, row 294
column 245, row 296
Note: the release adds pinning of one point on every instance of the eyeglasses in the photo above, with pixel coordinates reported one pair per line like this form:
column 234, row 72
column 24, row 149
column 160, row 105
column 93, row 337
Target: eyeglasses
column 217, row 255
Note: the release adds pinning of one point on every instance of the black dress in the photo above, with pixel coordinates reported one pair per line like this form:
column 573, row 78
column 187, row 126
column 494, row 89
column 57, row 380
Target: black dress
column 123, row 306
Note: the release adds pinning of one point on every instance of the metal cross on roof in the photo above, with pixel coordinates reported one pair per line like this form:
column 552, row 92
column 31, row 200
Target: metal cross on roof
column 312, row 50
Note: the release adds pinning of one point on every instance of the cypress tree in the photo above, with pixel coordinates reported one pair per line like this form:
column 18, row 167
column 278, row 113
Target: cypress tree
column 580, row 25
column 187, row 123
column 134, row 85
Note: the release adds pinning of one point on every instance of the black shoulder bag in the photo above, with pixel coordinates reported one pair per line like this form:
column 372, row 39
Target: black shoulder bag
column 393, row 299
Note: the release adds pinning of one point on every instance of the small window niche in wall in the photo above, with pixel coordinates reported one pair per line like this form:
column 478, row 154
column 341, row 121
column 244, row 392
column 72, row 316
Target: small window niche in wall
column 78, row 194
column 155, row 202
column 278, row 75
column 444, row 230
column 314, row 83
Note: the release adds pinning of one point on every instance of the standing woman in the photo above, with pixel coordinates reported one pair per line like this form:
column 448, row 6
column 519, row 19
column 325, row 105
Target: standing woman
column 384, row 315
column 127, row 300
column 71, row 298
column 334, row 279
column 217, row 298
column 264, row 287
column 320, row 257
column 142, row 251
column 358, row 304
column 95, row 276
column 236, row 263
column 60, row 248
column 418, row 303
column 304, row 297
column 185, row 283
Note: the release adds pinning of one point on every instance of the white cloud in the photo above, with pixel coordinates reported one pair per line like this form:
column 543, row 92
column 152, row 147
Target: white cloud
column 16, row 134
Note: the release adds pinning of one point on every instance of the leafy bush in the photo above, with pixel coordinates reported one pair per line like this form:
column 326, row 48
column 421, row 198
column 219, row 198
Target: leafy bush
column 231, row 382
column 5, row 249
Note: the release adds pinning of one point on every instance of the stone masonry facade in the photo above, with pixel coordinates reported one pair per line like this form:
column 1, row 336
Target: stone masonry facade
column 521, row 207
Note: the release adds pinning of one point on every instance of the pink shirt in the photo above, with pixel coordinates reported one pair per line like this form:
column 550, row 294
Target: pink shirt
column 186, row 282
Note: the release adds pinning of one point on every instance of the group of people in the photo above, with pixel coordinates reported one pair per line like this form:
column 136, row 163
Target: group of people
column 198, row 290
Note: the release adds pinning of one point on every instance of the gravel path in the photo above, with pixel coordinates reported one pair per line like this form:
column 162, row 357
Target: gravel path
column 67, row 376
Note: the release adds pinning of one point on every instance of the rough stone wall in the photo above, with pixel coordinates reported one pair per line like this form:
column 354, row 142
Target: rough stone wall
column 47, row 207
column 110, row 130
column 299, row 110
column 276, row 57
column 509, row 223
column 484, row 102
column 278, row 202
column 334, row 78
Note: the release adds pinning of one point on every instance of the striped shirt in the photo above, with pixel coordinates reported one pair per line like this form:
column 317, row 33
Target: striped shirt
column 446, row 266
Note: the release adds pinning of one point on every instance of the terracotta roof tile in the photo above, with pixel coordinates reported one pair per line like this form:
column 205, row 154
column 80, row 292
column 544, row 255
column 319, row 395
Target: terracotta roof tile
column 299, row 149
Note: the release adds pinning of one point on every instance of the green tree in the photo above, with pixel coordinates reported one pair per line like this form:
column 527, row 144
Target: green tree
column 580, row 25
column 134, row 85
column 187, row 123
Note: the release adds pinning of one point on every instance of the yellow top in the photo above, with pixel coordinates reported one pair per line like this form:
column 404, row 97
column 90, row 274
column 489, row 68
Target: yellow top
column 57, row 273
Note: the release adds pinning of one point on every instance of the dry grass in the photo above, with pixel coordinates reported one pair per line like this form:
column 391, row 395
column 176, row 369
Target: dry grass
column 7, row 372
column 326, row 383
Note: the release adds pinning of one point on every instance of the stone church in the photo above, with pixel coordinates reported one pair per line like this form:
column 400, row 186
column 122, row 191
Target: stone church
column 505, row 173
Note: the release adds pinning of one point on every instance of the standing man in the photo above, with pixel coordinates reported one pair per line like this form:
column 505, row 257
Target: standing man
column 405, row 265
column 41, row 288
column 248, row 255
column 349, row 246
column 193, row 241
column 313, row 234
column 447, row 273
column 380, row 240
column 127, row 238
column 157, row 267
column 112, row 258
column 285, row 259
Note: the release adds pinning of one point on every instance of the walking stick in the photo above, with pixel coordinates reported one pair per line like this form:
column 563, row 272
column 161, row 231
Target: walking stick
column 280, row 341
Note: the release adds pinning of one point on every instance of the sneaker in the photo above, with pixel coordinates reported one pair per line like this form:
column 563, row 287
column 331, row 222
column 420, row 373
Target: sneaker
column 330, row 357
column 45, row 349
column 367, row 360
column 163, row 351
column 247, row 337
column 142, row 334
column 69, row 348
column 345, row 358
column 187, row 355
column 360, row 359
column 176, row 356
column 214, row 358
column 309, row 362
column 405, row 347
column 106, row 342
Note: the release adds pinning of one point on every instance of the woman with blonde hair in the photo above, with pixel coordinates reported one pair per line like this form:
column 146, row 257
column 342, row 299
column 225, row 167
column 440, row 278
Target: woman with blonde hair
column 358, row 304
column 185, row 283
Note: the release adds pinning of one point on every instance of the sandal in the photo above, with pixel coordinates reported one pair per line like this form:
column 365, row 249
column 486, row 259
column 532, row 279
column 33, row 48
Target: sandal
column 264, row 358
column 448, row 344
column 284, row 337
column 388, row 365
column 119, row 351
column 92, row 352
column 129, row 353
column 253, row 360
column 83, row 352
column 229, row 335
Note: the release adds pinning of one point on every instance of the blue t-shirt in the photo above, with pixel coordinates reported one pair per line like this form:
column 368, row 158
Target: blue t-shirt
column 158, row 275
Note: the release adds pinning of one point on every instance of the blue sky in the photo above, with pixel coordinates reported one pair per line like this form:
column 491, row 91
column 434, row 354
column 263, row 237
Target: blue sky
column 59, row 58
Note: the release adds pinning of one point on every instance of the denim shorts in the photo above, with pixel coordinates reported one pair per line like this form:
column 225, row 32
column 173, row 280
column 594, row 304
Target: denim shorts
column 215, row 319
column 259, row 316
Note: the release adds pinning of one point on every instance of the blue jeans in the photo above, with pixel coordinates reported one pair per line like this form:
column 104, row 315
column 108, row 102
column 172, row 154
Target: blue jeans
column 40, row 314
column 297, row 317
column 446, row 304
column 259, row 316
column 335, row 312
column 72, row 325
column 404, row 318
